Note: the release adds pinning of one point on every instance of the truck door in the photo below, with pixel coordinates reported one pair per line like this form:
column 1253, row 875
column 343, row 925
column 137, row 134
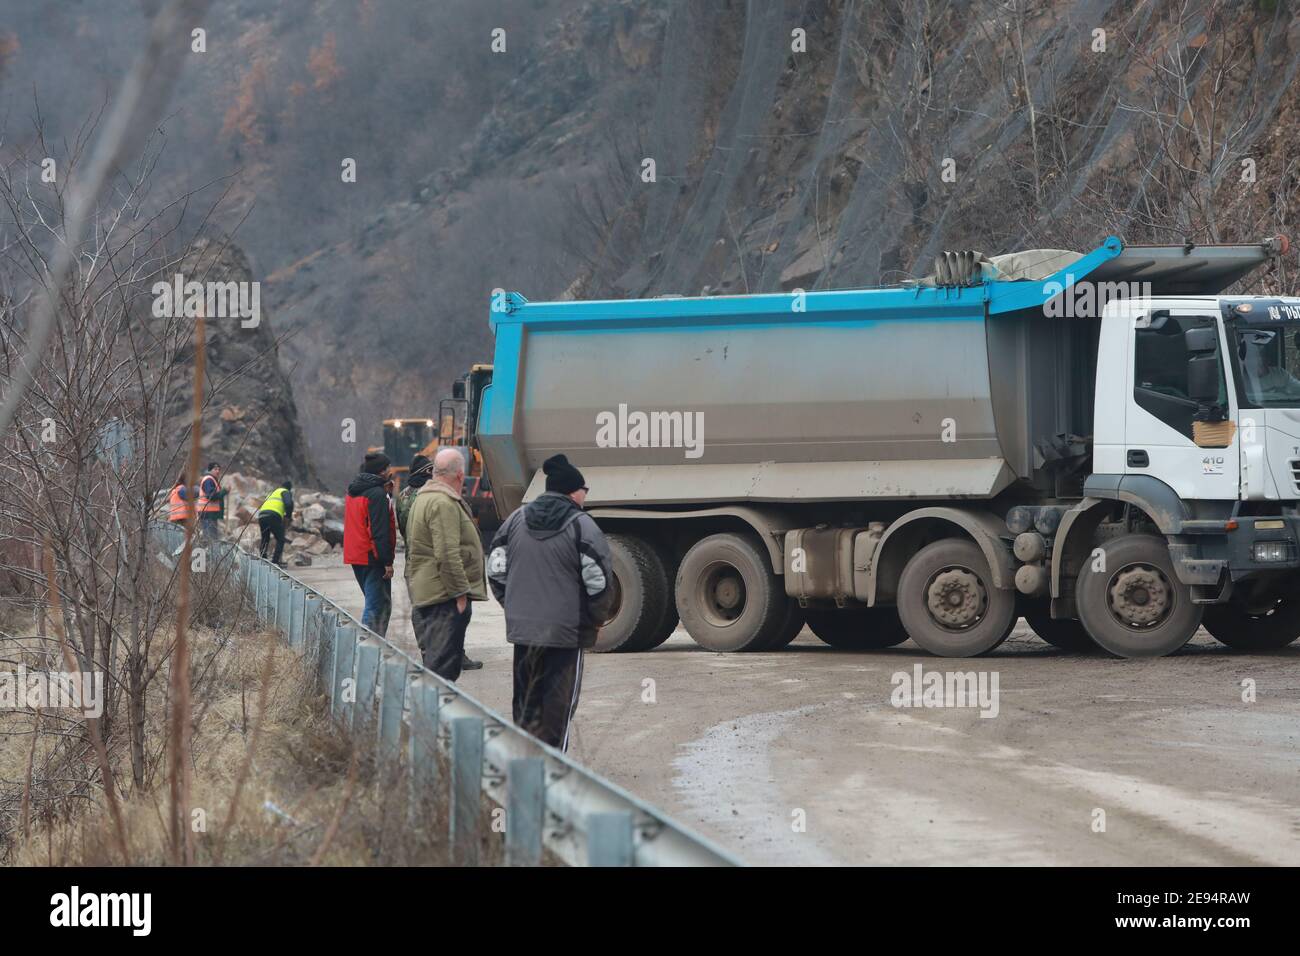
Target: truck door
column 1180, row 424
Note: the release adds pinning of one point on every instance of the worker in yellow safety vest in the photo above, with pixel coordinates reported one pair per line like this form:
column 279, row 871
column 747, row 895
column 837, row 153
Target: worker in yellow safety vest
column 211, row 497
column 273, row 517
column 179, row 506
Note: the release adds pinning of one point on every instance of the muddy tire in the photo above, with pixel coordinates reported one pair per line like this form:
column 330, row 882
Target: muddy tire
column 857, row 628
column 1066, row 634
column 793, row 626
column 1136, row 607
column 1266, row 626
column 670, row 560
column 644, row 605
column 948, row 603
column 728, row 597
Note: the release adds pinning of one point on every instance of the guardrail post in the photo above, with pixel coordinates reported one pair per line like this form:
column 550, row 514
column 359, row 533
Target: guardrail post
column 363, row 712
column 466, row 787
column 326, row 632
column 277, row 597
column 284, row 601
column 268, row 593
column 391, row 706
column 259, row 600
column 525, row 810
column 311, row 610
column 297, row 614
column 263, row 594
column 345, row 652
column 268, row 596
column 422, row 745
column 609, row 839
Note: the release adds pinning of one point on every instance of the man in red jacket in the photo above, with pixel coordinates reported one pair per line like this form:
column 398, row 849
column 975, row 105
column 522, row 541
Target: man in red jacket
column 369, row 539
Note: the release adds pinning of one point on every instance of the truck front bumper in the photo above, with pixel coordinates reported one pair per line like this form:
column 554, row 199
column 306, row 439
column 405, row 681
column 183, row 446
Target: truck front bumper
column 1243, row 547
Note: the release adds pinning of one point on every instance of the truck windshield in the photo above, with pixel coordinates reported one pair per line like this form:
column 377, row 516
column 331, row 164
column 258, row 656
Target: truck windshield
column 1268, row 361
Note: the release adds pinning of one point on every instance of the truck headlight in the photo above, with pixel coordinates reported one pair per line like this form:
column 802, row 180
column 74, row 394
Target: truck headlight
column 1266, row 551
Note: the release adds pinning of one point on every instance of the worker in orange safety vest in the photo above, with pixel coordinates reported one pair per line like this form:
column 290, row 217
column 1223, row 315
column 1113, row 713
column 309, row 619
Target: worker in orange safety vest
column 211, row 496
column 180, row 506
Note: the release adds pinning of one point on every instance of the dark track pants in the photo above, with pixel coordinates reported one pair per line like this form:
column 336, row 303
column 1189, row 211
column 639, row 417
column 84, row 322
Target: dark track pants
column 547, row 683
column 272, row 524
column 440, row 632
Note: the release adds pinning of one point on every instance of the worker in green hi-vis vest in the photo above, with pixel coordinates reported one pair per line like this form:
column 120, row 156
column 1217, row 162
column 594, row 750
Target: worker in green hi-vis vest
column 274, row 516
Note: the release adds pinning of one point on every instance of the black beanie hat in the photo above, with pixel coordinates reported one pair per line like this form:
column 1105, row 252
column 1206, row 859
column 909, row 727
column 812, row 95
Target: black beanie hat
column 561, row 476
column 375, row 463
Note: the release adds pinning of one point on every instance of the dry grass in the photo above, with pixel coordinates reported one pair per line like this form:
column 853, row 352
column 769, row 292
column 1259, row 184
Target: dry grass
column 273, row 781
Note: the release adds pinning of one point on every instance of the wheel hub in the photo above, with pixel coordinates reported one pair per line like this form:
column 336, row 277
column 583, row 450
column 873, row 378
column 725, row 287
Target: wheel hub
column 1140, row 596
column 956, row 598
column 722, row 594
column 727, row 592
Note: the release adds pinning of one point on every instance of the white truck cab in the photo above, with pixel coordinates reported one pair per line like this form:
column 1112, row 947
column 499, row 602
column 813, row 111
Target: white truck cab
column 1201, row 393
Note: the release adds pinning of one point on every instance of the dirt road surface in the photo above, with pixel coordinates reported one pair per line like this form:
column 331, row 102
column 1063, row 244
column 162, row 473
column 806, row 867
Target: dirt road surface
column 799, row 756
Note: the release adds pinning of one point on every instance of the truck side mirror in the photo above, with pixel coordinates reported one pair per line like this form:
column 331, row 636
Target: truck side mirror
column 1203, row 377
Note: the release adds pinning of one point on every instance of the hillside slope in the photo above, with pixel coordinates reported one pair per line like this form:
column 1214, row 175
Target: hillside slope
column 846, row 154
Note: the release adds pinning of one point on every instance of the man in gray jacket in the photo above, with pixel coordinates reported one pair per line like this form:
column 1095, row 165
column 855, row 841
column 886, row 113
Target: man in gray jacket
column 549, row 567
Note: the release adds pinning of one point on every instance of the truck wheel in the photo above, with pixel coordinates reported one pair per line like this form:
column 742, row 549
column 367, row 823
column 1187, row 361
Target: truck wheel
column 727, row 595
column 791, row 627
column 1136, row 607
column 1066, row 633
column 948, row 603
column 1264, row 626
column 644, row 600
column 669, row 559
column 857, row 628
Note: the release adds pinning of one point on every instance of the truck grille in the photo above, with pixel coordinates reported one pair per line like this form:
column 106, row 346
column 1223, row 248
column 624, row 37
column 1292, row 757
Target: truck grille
column 1295, row 473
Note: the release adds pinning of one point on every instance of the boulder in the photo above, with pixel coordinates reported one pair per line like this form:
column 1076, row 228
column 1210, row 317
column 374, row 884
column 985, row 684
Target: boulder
column 332, row 532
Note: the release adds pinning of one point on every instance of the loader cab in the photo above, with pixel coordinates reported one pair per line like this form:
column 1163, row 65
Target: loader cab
column 1202, row 394
column 404, row 438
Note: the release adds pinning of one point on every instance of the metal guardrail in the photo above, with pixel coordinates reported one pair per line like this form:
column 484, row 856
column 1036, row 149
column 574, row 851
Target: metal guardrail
column 550, row 799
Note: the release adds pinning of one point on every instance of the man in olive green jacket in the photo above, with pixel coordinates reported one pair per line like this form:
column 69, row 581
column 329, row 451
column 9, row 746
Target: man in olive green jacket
column 444, row 566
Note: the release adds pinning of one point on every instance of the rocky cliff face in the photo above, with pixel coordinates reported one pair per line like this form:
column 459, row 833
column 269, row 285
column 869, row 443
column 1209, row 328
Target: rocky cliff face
column 251, row 424
column 817, row 144
column 795, row 143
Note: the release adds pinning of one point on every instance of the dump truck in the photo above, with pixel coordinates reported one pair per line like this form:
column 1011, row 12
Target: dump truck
column 1103, row 443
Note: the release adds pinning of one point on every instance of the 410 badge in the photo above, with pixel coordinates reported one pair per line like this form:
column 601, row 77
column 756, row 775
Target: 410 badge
column 1212, row 465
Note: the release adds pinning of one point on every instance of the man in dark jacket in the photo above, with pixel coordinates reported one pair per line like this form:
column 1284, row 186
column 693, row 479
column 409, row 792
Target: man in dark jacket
column 417, row 478
column 550, row 568
column 370, row 538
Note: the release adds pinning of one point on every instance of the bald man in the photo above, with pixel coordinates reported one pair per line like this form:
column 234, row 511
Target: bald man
column 444, row 565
